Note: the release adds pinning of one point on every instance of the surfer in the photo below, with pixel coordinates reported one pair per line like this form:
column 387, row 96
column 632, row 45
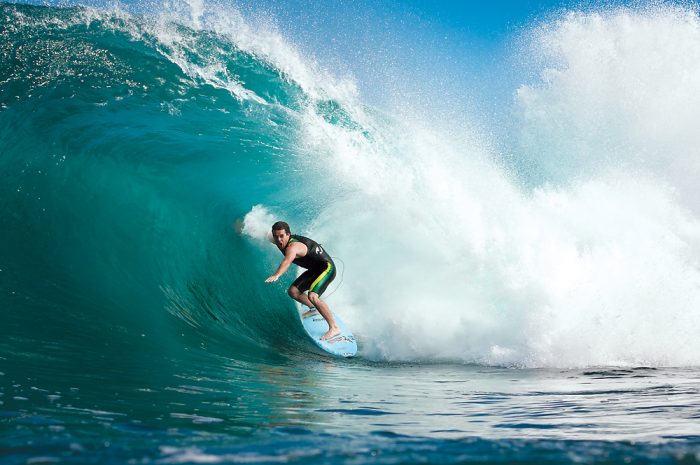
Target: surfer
column 320, row 271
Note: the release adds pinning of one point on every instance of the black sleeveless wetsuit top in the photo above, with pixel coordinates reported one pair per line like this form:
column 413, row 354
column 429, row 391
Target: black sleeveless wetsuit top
column 315, row 258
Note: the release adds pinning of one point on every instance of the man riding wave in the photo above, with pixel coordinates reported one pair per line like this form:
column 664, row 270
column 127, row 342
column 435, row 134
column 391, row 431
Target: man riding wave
column 320, row 271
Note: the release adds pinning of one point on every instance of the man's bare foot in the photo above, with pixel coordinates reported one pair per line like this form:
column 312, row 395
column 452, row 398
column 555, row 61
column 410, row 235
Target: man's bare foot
column 333, row 332
column 309, row 313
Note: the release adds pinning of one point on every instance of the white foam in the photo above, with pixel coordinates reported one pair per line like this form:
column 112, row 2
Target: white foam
column 196, row 455
column 619, row 87
column 257, row 224
column 448, row 258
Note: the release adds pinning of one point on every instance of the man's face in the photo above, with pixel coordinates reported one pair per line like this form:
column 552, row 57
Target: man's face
column 281, row 237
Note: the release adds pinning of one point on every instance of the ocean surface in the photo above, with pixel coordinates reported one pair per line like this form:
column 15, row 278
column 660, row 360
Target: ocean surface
column 527, row 293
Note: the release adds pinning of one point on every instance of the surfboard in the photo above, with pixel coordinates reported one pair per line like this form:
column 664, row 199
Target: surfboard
column 342, row 345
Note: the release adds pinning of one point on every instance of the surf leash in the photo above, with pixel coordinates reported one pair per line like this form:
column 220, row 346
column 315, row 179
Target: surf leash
column 342, row 273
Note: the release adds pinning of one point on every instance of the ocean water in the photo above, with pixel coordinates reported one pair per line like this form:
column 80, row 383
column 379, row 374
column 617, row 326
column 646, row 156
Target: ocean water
column 525, row 295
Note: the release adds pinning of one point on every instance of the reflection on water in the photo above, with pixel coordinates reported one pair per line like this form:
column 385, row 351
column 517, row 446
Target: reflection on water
column 168, row 408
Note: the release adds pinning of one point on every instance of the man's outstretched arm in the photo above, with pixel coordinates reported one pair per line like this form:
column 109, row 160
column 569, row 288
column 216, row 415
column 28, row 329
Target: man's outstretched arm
column 289, row 257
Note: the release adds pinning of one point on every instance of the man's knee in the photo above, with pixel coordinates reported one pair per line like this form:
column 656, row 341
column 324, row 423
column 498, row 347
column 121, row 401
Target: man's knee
column 314, row 298
column 293, row 292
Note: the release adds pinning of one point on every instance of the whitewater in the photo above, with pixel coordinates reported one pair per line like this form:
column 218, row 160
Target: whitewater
column 524, row 285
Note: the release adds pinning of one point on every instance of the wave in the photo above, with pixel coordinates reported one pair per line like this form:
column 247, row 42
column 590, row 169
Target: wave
column 131, row 144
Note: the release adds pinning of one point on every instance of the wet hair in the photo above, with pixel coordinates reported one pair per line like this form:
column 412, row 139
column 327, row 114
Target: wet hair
column 281, row 225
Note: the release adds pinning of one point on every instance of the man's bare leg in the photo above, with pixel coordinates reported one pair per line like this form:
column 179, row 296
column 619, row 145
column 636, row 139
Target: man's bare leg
column 303, row 299
column 325, row 312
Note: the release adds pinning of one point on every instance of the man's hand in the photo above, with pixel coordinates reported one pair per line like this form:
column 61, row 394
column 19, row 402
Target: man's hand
column 272, row 279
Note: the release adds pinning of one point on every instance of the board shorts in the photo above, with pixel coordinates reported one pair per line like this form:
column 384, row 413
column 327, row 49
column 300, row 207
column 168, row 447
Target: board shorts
column 315, row 279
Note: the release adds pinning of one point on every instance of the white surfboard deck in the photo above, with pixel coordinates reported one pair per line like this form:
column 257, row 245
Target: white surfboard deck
column 342, row 345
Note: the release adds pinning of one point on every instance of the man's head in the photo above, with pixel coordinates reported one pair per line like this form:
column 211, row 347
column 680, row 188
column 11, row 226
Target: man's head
column 281, row 233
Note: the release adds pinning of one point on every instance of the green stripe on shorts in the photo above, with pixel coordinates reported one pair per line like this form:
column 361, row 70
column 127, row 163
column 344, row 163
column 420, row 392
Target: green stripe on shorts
column 322, row 278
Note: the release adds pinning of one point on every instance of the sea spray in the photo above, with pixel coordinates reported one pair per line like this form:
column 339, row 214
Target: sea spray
column 615, row 89
column 257, row 224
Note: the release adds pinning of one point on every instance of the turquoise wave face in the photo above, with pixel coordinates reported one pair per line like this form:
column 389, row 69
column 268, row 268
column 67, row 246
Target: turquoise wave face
column 123, row 176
